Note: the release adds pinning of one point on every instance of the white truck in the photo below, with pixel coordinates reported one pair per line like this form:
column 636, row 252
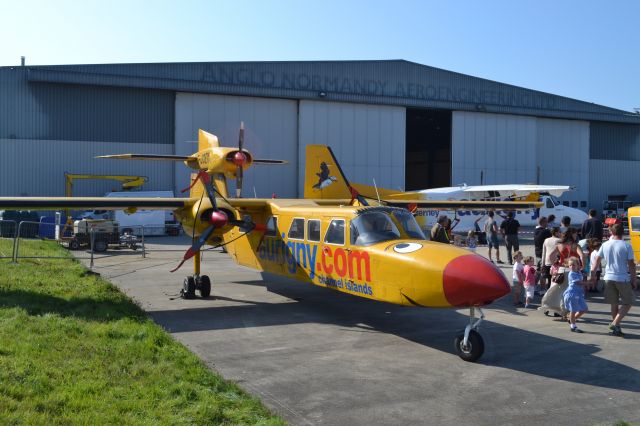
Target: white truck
column 155, row 222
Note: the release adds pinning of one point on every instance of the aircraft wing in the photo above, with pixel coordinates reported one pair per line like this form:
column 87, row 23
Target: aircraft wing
column 464, row 205
column 443, row 204
column 506, row 190
column 93, row 203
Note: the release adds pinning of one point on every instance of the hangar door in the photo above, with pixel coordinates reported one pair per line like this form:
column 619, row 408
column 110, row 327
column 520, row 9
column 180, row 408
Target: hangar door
column 368, row 140
column 499, row 149
column 270, row 132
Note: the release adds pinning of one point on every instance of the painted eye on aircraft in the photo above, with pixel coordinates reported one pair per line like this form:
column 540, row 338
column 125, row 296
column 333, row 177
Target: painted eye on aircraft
column 407, row 247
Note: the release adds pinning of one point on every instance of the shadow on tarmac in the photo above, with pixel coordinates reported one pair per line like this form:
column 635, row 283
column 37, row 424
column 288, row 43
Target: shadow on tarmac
column 506, row 347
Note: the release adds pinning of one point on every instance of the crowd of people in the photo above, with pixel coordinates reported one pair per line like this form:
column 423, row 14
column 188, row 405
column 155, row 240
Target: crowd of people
column 568, row 263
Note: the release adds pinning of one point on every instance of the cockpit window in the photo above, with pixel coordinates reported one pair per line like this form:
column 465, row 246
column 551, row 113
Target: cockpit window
column 555, row 200
column 550, row 203
column 373, row 227
column 409, row 224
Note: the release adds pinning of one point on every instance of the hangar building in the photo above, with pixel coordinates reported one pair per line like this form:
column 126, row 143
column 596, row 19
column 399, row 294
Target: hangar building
column 406, row 125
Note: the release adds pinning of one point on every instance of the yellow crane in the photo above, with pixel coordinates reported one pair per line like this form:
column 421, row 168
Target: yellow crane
column 128, row 183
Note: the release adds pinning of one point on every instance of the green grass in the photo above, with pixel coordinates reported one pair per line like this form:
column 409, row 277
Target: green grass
column 75, row 350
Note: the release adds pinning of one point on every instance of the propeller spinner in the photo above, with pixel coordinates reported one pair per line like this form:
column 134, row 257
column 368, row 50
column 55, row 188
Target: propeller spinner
column 216, row 218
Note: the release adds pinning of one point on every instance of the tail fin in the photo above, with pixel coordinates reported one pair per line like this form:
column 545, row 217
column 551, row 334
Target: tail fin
column 208, row 140
column 323, row 177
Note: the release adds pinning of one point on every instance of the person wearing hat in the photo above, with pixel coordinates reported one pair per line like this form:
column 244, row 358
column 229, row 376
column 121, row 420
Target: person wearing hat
column 439, row 232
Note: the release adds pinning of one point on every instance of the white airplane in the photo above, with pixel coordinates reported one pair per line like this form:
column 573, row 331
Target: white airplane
column 548, row 194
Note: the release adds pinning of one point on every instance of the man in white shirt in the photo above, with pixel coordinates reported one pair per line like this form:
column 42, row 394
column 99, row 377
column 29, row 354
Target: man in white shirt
column 619, row 276
column 550, row 254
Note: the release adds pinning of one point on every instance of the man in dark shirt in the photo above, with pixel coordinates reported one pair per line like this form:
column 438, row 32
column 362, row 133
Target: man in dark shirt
column 509, row 229
column 540, row 234
column 592, row 227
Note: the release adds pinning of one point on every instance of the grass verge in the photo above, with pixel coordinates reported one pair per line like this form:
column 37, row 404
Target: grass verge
column 75, row 350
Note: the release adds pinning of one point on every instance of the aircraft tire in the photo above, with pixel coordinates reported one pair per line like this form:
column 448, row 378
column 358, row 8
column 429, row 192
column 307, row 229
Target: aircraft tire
column 204, row 285
column 189, row 288
column 474, row 349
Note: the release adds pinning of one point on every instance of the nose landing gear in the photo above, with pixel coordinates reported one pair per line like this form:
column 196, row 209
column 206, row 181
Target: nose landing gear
column 469, row 345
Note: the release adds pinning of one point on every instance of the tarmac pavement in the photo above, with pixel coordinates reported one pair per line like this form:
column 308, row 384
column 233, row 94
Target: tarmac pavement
column 316, row 356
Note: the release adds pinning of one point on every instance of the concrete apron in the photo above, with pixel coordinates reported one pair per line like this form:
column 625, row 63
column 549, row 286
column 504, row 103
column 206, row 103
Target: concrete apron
column 315, row 356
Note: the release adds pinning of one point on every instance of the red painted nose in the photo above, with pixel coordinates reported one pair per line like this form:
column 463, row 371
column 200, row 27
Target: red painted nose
column 471, row 280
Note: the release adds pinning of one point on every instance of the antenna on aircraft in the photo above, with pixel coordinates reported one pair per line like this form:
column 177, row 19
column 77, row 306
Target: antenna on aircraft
column 376, row 187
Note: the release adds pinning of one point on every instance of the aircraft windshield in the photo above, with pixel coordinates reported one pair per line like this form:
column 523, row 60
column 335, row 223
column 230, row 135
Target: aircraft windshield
column 409, row 224
column 373, row 227
column 555, row 200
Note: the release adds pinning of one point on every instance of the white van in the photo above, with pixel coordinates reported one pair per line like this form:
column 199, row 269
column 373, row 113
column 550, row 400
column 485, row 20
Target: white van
column 155, row 222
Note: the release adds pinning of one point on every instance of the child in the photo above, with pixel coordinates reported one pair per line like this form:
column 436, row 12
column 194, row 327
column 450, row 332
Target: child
column 574, row 295
column 472, row 241
column 529, row 280
column 594, row 246
column 518, row 277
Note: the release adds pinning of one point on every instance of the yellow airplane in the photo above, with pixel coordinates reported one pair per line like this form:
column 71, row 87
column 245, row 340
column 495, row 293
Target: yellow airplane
column 374, row 252
column 634, row 230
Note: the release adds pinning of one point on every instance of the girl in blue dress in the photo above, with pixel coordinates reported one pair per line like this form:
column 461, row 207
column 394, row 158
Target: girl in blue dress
column 574, row 294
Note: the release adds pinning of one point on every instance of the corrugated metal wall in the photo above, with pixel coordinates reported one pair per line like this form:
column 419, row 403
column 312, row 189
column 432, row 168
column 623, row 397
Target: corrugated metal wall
column 611, row 141
column 37, row 167
column 271, row 131
column 563, row 156
column 396, row 82
column 32, row 110
column 611, row 177
column 509, row 149
column 502, row 147
column 368, row 140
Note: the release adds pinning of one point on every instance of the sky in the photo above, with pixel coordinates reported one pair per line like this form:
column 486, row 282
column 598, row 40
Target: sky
column 587, row 50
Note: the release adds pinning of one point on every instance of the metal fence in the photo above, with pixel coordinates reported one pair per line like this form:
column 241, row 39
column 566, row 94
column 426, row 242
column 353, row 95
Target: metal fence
column 95, row 243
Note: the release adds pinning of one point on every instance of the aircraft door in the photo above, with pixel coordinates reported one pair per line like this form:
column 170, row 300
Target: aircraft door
column 273, row 248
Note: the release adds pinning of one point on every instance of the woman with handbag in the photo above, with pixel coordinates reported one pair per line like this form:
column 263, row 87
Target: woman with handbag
column 567, row 247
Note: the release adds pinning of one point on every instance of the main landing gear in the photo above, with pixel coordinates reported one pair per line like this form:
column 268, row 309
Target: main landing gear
column 469, row 345
column 198, row 282
column 201, row 283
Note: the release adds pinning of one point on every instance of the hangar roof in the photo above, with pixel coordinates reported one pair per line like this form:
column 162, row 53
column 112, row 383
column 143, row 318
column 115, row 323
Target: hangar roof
column 384, row 82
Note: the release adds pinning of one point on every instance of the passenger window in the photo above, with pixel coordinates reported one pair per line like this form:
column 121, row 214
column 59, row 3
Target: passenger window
column 335, row 232
column 635, row 223
column 272, row 227
column 549, row 203
column 296, row 231
column 313, row 230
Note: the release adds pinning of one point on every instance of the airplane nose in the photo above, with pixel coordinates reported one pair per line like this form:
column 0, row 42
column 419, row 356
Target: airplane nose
column 471, row 280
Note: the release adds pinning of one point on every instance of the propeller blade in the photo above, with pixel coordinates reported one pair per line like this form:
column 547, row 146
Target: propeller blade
column 240, row 161
column 268, row 161
column 239, row 181
column 195, row 247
